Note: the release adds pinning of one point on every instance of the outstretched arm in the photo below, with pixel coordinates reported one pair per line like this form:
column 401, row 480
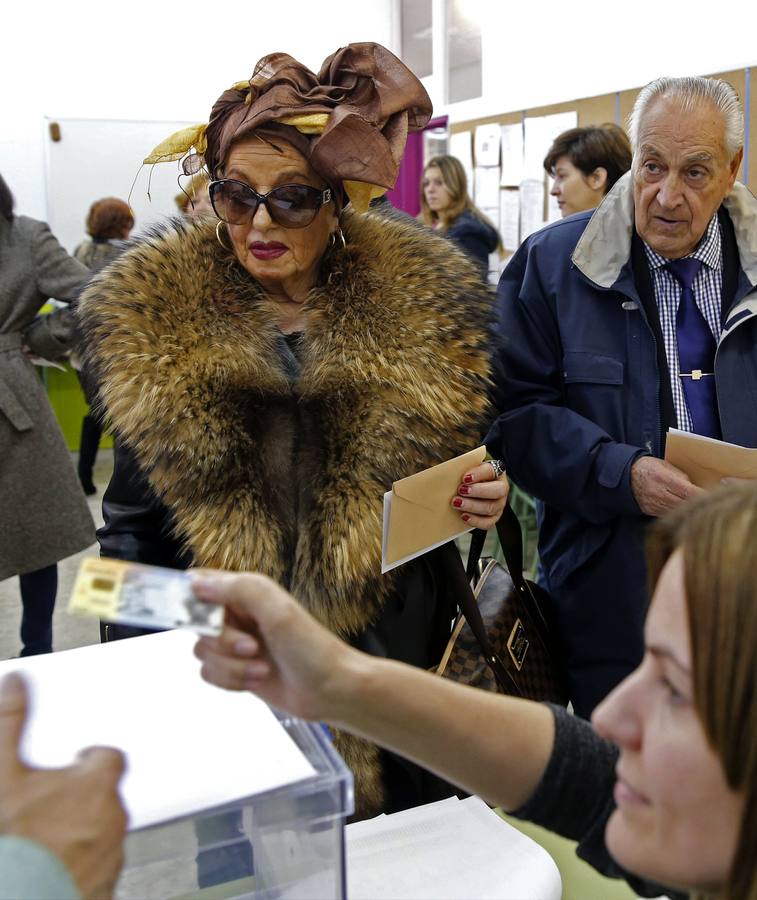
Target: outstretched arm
column 494, row 746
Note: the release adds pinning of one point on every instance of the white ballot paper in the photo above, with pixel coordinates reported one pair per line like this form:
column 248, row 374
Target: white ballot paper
column 189, row 745
column 451, row 849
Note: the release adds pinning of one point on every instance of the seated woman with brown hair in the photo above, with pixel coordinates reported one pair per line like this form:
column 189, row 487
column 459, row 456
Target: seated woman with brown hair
column 585, row 163
column 269, row 375
column 661, row 791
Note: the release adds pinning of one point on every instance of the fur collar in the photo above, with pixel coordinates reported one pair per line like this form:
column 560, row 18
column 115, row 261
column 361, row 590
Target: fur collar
column 288, row 479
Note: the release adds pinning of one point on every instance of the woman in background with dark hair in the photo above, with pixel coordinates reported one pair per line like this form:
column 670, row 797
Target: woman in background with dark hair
column 109, row 223
column 43, row 515
column 447, row 207
column 585, row 163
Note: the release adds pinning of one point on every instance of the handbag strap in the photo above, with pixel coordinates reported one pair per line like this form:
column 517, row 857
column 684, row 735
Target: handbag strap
column 511, row 541
column 468, row 603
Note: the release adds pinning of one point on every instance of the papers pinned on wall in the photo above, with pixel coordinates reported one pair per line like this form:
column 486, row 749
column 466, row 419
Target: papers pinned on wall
column 509, row 217
column 486, row 194
column 511, row 139
column 539, row 134
column 487, row 142
column 461, row 147
column 531, row 207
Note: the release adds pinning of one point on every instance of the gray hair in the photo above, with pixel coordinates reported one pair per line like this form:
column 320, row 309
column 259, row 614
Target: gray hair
column 689, row 92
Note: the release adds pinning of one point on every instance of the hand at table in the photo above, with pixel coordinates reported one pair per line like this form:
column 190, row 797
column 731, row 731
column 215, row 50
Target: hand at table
column 659, row 486
column 481, row 497
column 74, row 811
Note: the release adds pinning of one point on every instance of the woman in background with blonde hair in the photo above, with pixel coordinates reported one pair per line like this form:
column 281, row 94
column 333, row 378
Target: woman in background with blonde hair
column 195, row 201
column 447, row 207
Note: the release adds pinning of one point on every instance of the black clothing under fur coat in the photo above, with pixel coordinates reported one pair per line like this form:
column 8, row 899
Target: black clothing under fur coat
column 226, row 460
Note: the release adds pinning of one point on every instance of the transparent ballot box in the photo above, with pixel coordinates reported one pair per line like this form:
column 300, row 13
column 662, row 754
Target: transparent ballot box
column 285, row 843
column 225, row 797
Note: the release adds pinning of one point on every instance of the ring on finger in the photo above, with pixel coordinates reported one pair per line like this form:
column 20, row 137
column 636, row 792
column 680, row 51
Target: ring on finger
column 498, row 466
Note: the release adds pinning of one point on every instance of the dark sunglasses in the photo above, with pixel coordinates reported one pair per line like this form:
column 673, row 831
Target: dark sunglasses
column 290, row 205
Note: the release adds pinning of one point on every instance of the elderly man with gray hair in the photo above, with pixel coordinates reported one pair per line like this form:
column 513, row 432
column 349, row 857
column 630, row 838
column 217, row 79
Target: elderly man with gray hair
column 615, row 326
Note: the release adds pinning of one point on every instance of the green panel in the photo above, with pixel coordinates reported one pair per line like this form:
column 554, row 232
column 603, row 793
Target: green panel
column 69, row 405
column 579, row 880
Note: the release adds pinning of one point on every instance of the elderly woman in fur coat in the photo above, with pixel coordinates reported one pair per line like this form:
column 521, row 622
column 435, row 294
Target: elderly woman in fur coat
column 269, row 376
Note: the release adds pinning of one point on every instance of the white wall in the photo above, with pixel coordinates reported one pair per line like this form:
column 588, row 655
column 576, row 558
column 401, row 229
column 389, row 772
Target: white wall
column 161, row 60
column 148, row 60
column 543, row 51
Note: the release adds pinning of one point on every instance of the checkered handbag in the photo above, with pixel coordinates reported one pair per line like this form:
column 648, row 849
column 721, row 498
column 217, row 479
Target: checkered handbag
column 504, row 639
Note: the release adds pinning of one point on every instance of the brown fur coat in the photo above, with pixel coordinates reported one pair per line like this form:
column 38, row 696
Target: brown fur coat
column 287, row 477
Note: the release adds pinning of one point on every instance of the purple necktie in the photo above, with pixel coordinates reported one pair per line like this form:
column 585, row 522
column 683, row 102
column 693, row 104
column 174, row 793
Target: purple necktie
column 696, row 351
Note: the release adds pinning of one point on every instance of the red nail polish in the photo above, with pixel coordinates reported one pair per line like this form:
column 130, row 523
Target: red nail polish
column 463, row 489
column 457, row 502
column 465, row 517
column 468, row 479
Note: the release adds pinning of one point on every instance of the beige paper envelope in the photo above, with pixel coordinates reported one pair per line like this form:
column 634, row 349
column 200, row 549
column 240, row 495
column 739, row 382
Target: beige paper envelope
column 706, row 460
column 421, row 515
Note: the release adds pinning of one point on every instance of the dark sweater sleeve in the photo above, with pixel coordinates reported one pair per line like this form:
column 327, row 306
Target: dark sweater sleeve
column 575, row 798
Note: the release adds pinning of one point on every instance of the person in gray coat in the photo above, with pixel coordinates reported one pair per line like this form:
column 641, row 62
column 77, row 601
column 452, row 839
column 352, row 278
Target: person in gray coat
column 44, row 516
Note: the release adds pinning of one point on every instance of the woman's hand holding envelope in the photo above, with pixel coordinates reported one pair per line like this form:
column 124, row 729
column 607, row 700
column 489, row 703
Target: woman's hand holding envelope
column 481, row 496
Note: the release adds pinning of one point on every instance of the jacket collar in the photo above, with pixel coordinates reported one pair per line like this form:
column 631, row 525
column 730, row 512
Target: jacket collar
column 605, row 245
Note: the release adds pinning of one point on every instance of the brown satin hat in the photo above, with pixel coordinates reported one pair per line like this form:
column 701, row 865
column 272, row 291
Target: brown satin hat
column 350, row 121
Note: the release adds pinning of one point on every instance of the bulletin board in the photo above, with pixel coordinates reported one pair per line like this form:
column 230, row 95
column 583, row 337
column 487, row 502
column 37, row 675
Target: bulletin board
column 616, row 107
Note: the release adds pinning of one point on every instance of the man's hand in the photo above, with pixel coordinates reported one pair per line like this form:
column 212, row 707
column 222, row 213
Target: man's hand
column 659, row 487
column 75, row 812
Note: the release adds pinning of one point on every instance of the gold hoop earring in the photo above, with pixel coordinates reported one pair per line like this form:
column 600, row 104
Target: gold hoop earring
column 220, row 239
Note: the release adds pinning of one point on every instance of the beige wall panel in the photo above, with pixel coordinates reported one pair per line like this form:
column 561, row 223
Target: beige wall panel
column 600, row 109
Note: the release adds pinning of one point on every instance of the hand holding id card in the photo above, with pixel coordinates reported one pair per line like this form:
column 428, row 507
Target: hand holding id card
column 142, row 596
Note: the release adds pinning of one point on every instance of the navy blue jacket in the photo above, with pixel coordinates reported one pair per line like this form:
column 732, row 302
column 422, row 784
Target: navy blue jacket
column 586, row 391
column 477, row 238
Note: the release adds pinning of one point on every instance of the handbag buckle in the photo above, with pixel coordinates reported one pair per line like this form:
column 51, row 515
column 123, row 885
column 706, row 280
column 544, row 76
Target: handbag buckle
column 517, row 644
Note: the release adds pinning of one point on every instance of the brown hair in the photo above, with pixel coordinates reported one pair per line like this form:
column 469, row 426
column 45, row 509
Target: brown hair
column 717, row 533
column 109, row 219
column 456, row 182
column 606, row 146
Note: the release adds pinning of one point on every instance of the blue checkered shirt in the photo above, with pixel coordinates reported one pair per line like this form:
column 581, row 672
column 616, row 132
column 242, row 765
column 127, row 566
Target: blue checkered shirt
column 708, row 289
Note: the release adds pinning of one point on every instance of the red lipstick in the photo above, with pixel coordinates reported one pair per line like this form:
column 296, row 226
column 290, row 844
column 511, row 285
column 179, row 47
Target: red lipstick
column 267, row 250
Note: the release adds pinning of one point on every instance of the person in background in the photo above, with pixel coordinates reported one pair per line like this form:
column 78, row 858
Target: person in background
column 195, row 201
column 44, row 516
column 608, row 327
column 270, row 373
column 585, row 163
column 61, row 830
column 109, row 224
column 447, row 207
column 661, row 791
